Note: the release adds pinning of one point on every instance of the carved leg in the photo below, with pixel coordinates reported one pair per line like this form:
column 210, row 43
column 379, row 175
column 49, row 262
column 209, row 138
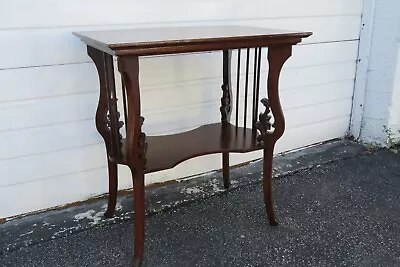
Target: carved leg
column 226, row 109
column 225, row 170
column 107, row 120
column 267, row 185
column 135, row 147
column 139, row 206
column 112, row 188
column 265, row 137
column 269, row 134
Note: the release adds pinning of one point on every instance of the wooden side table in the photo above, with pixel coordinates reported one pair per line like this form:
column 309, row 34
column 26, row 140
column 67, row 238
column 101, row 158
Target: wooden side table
column 146, row 154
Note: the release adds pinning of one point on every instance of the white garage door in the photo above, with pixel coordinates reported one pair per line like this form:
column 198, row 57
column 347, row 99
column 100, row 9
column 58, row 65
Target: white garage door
column 50, row 151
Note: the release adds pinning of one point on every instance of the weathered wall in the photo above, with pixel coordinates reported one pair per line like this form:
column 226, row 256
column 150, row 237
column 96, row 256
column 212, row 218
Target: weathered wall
column 394, row 116
column 381, row 103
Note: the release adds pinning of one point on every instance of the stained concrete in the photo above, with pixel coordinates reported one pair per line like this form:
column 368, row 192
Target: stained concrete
column 341, row 210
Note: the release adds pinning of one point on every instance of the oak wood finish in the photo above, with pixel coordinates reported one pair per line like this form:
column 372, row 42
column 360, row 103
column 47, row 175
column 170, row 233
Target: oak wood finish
column 146, row 154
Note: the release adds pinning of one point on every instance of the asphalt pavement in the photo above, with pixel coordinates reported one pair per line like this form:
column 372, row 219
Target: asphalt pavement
column 339, row 212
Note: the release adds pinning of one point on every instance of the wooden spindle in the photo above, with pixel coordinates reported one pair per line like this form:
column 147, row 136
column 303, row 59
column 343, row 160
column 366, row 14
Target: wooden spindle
column 125, row 104
column 246, row 86
column 254, row 115
column 237, row 89
column 258, row 82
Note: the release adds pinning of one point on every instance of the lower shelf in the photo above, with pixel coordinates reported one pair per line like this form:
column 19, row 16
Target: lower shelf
column 167, row 151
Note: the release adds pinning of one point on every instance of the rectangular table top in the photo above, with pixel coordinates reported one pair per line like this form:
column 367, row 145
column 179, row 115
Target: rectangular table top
column 150, row 41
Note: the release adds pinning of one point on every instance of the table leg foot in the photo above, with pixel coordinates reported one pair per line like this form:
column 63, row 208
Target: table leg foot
column 137, row 262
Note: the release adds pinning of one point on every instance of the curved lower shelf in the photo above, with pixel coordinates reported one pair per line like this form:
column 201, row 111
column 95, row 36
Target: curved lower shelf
column 167, row 151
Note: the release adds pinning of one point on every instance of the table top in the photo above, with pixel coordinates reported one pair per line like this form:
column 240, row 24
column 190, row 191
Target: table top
column 150, row 41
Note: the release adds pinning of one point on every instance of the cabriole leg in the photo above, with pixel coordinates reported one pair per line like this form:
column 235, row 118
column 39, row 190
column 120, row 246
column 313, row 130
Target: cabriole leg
column 135, row 148
column 106, row 117
column 269, row 134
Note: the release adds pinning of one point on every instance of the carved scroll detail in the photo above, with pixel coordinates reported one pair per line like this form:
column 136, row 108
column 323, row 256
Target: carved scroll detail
column 225, row 103
column 142, row 143
column 264, row 125
column 107, row 119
